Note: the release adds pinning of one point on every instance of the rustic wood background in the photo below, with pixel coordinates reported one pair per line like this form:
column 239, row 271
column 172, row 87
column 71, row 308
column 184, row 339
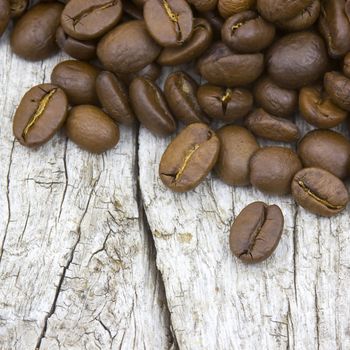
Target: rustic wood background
column 95, row 253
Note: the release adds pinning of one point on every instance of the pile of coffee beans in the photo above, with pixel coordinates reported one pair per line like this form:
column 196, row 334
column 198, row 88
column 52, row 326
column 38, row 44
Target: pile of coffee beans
column 260, row 62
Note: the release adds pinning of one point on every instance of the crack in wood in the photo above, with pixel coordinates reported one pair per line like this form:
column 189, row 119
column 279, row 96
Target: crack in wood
column 295, row 248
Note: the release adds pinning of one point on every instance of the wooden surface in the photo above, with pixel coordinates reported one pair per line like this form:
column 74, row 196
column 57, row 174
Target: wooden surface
column 88, row 243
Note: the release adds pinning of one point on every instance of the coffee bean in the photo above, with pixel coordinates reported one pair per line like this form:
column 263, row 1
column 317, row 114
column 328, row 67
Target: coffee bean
column 151, row 72
column 18, row 7
column 4, row 15
column 216, row 22
column 203, row 6
column 319, row 191
column 237, row 147
column 132, row 10
column 150, row 107
column 41, row 113
column 256, row 232
column 228, row 8
column 346, row 66
column 338, row 88
column 189, row 158
column 91, row 129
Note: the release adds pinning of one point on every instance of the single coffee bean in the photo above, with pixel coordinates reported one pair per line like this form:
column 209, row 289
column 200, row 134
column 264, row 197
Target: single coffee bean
column 4, row 15
column 216, row 22
column 127, row 48
column 114, row 98
column 221, row 66
column 33, row 36
column 266, row 125
column 317, row 108
column 170, row 22
column 338, row 88
column 90, row 19
column 256, row 232
column 41, row 113
column 180, row 92
column 237, row 146
column 247, row 32
column 297, row 60
column 204, row 5
column 272, row 169
column 189, row 158
column 319, row 192
column 325, row 149
column 18, row 7
column 274, row 99
column 346, row 66
column 228, row 8
column 193, row 48
column 150, row 107
column 91, row 129
column 151, row 72
column 78, row 80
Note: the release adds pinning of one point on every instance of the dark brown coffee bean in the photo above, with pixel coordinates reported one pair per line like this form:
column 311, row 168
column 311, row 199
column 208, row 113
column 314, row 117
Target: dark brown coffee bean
column 320, row 192
column 193, row 48
column 228, row 8
column 256, row 232
column 180, row 92
column 127, row 48
column 297, row 60
column 317, row 108
column 41, row 113
column 338, row 88
column 90, row 19
column 132, row 10
column 266, row 125
column 247, row 32
column 224, row 104
column 18, row 7
column 325, row 149
column 221, row 66
column 189, row 158
column 346, row 66
column 204, row 5
column 33, row 36
column 151, row 72
column 114, row 98
column 272, row 169
column 4, row 15
column 78, row 80
column 237, row 146
column 91, row 129
column 150, row 107
column 216, row 22
column 170, row 22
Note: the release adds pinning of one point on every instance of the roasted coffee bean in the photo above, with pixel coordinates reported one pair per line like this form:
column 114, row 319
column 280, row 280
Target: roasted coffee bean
column 228, row 8
column 272, row 169
column 274, row 99
column 41, row 113
column 189, row 158
column 91, row 129
column 114, row 98
column 18, row 7
column 33, row 36
column 338, row 88
column 237, row 146
column 216, row 22
column 90, row 19
column 346, row 66
column 266, row 125
column 151, row 72
column 78, row 80
column 325, row 149
column 193, row 48
column 170, row 22
column 221, row 66
column 132, row 10
column 320, row 192
column 256, row 232
column 139, row 3
column 127, row 48
column 203, row 5
column 150, row 107
column 180, row 92
column 224, row 104
column 247, row 32
column 4, row 15
column 317, row 108
column 297, row 60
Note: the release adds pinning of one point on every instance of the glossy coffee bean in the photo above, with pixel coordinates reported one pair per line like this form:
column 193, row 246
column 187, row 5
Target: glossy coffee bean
column 337, row 86
column 247, row 32
column 223, row 67
column 270, row 127
column 41, row 113
column 237, row 146
column 90, row 19
column 325, row 149
column 346, row 65
column 18, row 7
column 91, row 129
column 317, row 108
column 151, row 72
column 33, row 36
column 297, row 60
column 150, row 107
column 228, row 8
column 272, row 169
column 203, row 5
column 256, row 232
column 4, row 15
column 224, row 104
column 319, row 192
column 170, row 22
column 78, row 80
column 114, row 98
column 189, row 158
